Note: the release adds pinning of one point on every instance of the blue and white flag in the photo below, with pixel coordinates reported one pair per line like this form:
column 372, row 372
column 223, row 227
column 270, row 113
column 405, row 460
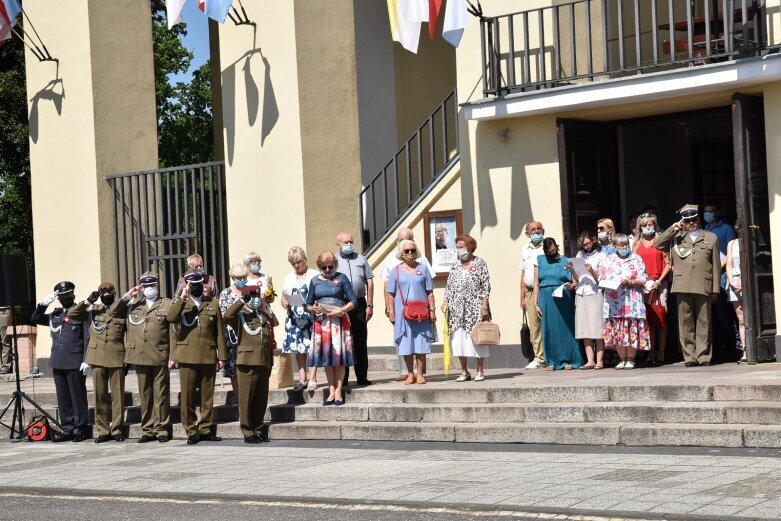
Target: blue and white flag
column 218, row 9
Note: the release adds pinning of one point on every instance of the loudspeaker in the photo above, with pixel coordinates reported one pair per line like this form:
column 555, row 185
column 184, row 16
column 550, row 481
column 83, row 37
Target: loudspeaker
column 14, row 288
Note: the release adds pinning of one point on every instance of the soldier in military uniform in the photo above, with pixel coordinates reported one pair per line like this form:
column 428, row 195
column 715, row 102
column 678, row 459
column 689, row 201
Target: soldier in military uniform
column 106, row 358
column 147, row 348
column 696, row 274
column 253, row 363
column 5, row 340
column 200, row 347
column 69, row 330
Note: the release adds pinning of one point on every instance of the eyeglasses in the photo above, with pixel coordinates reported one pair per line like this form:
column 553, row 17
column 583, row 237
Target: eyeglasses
column 326, row 268
column 413, row 250
column 689, row 219
column 601, row 228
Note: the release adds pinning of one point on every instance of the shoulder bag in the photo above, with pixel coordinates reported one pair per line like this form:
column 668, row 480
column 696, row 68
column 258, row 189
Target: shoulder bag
column 654, row 311
column 414, row 310
column 526, row 339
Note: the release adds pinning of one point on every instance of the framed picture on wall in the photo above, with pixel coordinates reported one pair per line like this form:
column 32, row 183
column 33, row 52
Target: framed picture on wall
column 441, row 229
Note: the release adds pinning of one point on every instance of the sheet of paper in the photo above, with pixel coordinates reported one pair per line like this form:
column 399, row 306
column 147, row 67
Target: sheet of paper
column 295, row 299
column 559, row 292
column 328, row 307
column 579, row 266
column 609, row 284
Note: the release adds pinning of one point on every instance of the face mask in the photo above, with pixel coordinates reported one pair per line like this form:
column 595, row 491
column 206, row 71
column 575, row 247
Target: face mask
column 196, row 290
column 329, row 274
column 66, row 302
column 254, row 302
column 709, row 217
column 649, row 231
column 549, row 254
column 409, row 257
column 602, row 236
column 254, row 268
column 537, row 238
column 462, row 255
column 150, row 293
column 240, row 283
column 347, row 249
column 624, row 252
column 107, row 300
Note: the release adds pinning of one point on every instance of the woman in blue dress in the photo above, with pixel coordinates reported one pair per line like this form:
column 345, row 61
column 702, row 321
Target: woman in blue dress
column 562, row 350
column 409, row 281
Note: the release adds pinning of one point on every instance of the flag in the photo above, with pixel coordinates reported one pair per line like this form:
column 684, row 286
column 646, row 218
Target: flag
column 9, row 10
column 434, row 7
column 202, row 5
column 456, row 19
column 218, row 9
column 446, row 347
column 173, row 11
column 405, row 19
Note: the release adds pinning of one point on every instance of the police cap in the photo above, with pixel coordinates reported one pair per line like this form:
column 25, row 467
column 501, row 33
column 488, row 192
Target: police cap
column 195, row 277
column 64, row 287
column 688, row 211
column 147, row 279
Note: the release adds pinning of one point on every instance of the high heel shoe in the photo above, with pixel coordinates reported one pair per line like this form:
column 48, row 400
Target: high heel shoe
column 328, row 402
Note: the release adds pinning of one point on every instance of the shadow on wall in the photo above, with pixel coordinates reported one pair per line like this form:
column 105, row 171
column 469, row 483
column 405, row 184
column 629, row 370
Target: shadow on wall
column 252, row 94
column 54, row 91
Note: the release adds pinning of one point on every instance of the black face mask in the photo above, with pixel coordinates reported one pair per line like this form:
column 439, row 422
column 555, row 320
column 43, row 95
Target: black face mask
column 107, row 300
column 196, row 290
column 66, row 302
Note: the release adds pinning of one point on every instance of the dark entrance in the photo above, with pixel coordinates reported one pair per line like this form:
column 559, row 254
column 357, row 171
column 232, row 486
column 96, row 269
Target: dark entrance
column 614, row 169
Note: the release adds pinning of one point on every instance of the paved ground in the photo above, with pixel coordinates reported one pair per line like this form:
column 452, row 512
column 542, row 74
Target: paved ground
column 485, row 480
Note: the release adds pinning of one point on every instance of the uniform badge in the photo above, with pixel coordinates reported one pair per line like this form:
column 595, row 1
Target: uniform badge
column 66, row 320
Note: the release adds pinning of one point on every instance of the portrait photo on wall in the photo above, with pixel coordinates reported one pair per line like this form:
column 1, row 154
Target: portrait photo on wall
column 442, row 228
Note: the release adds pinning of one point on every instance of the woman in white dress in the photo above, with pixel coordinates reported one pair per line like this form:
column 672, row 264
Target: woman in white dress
column 735, row 284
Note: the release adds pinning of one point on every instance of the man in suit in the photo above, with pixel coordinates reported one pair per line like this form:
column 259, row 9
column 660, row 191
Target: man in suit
column 69, row 331
column 106, row 358
column 146, row 348
column 200, row 348
column 696, row 271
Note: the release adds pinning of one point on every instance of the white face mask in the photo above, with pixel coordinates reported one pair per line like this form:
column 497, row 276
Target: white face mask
column 462, row 255
column 150, row 293
column 602, row 236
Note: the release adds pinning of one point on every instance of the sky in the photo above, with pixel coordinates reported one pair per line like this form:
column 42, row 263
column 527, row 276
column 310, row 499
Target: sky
column 196, row 41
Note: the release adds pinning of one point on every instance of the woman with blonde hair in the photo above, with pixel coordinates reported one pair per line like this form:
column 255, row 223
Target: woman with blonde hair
column 298, row 322
column 606, row 230
column 255, row 277
column 330, row 298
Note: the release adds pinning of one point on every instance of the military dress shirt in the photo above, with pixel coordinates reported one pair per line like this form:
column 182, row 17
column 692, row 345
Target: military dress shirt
column 199, row 331
column 254, row 331
column 106, row 345
column 148, row 337
column 696, row 264
column 69, row 331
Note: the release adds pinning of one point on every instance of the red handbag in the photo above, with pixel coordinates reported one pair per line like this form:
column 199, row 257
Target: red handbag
column 414, row 310
column 654, row 311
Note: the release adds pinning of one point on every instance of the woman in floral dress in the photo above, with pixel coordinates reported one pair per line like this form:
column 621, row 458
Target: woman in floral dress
column 626, row 329
column 298, row 322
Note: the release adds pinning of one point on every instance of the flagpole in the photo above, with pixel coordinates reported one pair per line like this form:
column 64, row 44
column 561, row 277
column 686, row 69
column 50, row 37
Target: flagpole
column 32, row 26
column 34, row 50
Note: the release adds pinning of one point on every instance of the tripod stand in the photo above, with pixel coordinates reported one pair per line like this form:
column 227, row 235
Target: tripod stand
column 19, row 397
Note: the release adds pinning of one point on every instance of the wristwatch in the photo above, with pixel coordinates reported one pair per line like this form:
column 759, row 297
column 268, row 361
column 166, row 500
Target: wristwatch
column 370, row 306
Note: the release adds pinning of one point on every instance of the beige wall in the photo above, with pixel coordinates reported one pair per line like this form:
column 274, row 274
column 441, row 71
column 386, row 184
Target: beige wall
column 88, row 118
column 772, row 99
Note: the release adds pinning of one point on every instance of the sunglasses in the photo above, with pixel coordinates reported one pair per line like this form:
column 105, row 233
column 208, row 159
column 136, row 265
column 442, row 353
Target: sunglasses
column 326, row 268
column 413, row 250
column 689, row 219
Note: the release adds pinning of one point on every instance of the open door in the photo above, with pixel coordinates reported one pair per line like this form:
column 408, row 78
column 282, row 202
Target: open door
column 588, row 168
column 753, row 210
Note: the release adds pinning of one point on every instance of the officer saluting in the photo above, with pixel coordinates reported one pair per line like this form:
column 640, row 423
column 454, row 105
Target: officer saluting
column 696, row 276
column 253, row 363
column 69, row 339
column 200, row 347
column 146, row 348
column 106, row 358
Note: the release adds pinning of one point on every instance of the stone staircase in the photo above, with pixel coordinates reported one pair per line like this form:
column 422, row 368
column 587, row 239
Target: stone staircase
column 644, row 411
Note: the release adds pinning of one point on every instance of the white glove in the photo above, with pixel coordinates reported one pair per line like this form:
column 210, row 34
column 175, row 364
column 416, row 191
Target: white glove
column 85, row 369
column 51, row 297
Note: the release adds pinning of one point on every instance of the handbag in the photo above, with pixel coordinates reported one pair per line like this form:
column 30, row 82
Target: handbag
column 654, row 311
column 414, row 310
column 526, row 339
column 485, row 333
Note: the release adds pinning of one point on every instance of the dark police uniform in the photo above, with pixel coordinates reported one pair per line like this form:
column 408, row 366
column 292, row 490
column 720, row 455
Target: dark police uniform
column 200, row 343
column 253, row 365
column 69, row 332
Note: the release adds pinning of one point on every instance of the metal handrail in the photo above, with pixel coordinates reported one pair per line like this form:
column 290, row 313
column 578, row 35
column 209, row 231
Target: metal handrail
column 429, row 160
column 560, row 44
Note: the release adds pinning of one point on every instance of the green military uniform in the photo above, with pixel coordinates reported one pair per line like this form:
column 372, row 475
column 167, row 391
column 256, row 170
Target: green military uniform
column 5, row 340
column 253, row 365
column 200, row 343
column 696, row 275
column 106, row 357
column 147, row 348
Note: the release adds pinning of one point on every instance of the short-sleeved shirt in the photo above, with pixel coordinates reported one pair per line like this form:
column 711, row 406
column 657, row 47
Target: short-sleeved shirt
column 724, row 233
column 391, row 262
column 586, row 284
column 358, row 271
column 330, row 290
column 529, row 256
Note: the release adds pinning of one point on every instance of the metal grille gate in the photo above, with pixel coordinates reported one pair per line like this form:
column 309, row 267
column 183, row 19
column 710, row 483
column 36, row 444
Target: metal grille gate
column 163, row 216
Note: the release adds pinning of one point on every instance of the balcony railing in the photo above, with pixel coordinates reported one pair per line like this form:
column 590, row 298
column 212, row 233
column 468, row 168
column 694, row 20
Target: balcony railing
column 591, row 40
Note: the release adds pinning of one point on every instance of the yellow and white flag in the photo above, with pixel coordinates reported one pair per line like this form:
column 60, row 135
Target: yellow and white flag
column 405, row 18
column 446, row 347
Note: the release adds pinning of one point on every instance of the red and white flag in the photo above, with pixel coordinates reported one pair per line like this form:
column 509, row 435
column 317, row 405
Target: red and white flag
column 9, row 10
column 434, row 6
column 202, row 5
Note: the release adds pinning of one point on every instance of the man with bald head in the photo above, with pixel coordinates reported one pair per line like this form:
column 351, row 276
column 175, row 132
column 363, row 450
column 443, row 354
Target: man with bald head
column 357, row 269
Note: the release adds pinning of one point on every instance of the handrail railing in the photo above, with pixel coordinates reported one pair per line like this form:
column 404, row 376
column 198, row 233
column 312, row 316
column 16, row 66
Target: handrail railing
column 587, row 40
column 416, row 166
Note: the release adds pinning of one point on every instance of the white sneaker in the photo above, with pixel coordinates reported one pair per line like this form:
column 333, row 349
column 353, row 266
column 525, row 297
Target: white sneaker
column 534, row 364
column 464, row 377
column 311, row 386
column 622, row 365
column 629, row 365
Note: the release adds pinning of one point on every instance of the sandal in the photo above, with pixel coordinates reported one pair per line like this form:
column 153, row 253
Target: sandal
column 464, row 376
column 550, row 368
column 419, row 379
column 410, row 380
column 568, row 367
column 588, row 366
column 598, row 366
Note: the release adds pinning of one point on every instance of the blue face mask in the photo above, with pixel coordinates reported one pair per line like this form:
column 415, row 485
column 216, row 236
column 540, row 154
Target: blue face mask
column 649, row 231
column 347, row 249
column 254, row 302
column 624, row 252
column 240, row 283
column 254, row 268
column 709, row 217
column 537, row 238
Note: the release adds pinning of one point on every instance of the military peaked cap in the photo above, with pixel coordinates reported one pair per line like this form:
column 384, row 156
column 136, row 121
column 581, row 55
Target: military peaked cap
column 688, row 211
column 64, row 287
column 147, row 279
